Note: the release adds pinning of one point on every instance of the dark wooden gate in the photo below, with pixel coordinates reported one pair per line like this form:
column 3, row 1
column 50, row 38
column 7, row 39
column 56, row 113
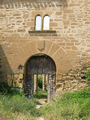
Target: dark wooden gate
column 40, row 65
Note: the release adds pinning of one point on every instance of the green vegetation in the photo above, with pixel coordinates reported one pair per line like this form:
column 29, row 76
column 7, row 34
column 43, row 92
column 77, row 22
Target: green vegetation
column 40, row 94
column 40, row 78
column 88, row 76
column 13, row 102
column 68, row 106
column 4, row 88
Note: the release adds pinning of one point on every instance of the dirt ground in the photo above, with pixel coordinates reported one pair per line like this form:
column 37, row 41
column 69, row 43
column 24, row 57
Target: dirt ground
column 3, row 117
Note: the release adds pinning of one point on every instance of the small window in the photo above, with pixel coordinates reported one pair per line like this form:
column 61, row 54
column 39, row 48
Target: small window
column 46, row 23
column 38, row 23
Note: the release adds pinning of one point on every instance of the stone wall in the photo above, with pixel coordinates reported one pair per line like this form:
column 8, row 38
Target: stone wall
column 69, row 46
column 74, row 80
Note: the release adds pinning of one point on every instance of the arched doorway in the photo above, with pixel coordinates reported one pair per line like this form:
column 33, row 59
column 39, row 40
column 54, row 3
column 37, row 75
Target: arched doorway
column 40, row 65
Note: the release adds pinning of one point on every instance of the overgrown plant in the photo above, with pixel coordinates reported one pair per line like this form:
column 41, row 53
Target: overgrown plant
column 4, row 88
column 40, row 80
column 88, row 76
column 69, row 106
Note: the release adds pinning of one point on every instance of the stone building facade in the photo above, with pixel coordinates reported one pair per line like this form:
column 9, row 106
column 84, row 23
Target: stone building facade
column 67, row 41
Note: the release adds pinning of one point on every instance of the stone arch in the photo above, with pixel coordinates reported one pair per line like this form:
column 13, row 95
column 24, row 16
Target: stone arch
column 39, row 54
column 51, row 49
column 40, row 64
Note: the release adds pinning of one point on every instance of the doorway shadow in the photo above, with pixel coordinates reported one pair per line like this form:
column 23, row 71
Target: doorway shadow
column 5, row 68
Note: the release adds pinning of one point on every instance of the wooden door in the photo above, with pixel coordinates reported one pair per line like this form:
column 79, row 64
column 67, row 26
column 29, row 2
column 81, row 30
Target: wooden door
column 40, row 65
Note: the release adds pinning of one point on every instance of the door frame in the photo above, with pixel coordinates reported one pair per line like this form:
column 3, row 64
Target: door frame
column 52, row 78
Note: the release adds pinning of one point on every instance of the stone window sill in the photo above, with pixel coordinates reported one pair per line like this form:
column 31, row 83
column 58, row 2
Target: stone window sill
column 43, row 33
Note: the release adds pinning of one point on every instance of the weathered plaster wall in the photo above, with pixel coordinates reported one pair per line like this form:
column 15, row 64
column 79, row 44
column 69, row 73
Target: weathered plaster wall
column 70, row 48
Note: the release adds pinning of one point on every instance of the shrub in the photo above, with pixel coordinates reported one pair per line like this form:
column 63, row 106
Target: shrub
column 88, row 75
column 40, row 93
column 69, row 106
column 18, row 104
column 17, row 91
column 85, row 109
column 40, row 78
column 4, row 88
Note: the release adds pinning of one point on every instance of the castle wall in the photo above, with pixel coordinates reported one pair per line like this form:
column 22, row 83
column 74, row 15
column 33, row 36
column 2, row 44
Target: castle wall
column 69, row 47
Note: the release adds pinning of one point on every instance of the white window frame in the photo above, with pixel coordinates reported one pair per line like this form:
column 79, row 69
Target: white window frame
column 38, row 24
column 46, row 23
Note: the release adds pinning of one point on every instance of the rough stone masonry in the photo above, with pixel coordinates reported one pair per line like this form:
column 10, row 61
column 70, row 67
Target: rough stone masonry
column 67, row 42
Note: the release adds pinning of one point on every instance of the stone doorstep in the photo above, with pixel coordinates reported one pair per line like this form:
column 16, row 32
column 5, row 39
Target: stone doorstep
column 38, row 106
column 42, row 102
column 40, row 118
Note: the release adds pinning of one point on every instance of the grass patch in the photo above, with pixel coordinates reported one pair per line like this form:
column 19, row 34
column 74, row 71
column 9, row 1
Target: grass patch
column 40, row 94
column 69, row 106
column 88, row 76
column 15, row 103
